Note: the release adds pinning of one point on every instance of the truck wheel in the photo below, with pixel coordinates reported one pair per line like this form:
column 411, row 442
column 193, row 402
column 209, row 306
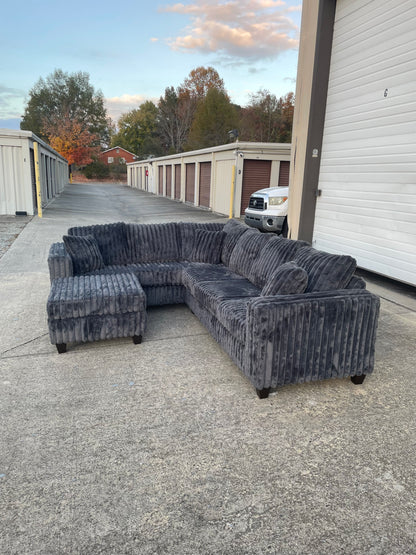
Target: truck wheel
column 285, row 228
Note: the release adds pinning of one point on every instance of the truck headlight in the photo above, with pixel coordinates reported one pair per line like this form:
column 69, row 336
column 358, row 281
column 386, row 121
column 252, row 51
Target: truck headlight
column 275, row 201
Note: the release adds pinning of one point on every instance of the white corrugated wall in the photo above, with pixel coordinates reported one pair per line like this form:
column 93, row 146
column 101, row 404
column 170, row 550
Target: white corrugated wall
column 367, row 206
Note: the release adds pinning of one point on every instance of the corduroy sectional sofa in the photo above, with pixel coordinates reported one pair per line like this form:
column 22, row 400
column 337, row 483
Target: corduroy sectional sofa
column 284, row 312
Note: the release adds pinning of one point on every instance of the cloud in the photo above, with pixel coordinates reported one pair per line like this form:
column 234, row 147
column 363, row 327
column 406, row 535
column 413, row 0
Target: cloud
column 154, row 39
column 247, row 30
column 11, row 102
column 118, row 105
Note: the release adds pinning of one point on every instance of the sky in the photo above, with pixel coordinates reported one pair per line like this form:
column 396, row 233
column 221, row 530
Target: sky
column 133, row 50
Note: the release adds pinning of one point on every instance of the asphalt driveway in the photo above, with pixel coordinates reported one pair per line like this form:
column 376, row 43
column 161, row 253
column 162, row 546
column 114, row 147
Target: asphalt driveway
column 164, row 447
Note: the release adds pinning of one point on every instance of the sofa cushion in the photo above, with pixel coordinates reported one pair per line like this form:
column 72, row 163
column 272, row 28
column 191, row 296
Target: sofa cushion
column 275, row 252
column 84, row 253
column 232, row 314
column 326, row 271
column 196, row 272
column 207, row 246
column 247, row 250
column 186, row 235
column 210, row 293
column 287, row 279
column 80, row 296
column 153, row 242
column 233, row 230
column 111, row 239
column 151, row 273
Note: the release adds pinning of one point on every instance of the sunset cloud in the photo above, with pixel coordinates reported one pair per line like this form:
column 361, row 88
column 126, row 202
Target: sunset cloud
column 248, row 30
column 118, row 105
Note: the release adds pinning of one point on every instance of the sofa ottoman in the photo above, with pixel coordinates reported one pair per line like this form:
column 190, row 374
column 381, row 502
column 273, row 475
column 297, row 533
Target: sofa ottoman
column 92, row 307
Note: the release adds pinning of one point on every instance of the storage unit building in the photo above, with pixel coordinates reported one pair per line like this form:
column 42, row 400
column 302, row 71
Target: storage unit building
column 353, row 180
column 204, row 177
column 17, row 172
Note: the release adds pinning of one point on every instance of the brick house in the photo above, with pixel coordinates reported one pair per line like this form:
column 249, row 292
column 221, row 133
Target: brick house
column 117, row 155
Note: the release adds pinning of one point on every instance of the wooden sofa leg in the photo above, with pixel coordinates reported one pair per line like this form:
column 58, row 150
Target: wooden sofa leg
column 137, row 339
column 358, row 380
column 61, row 348
column 263, row 393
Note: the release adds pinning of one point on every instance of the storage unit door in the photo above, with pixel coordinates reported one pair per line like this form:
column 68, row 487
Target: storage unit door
column 177, row 181
column 160, row 181
column 204, row 183
column 367, row 205
column 169, row 181
column 190, row 183
column 284, row 174
column 256, row 175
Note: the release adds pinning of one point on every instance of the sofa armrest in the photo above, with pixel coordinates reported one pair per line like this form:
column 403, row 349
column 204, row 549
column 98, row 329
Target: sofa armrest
column 59, row 262
column 299, row 338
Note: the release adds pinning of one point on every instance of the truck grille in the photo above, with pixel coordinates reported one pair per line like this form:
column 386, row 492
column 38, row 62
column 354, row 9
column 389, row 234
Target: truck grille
column 256, row 203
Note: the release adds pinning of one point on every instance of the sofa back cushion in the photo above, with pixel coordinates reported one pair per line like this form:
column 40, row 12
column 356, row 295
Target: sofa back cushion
column 186, row 235
column 326, row 271
column 275, row 252
column 111, row 239
column 207, row 246
column 233, row 230
column 84, row 252
column 153, row 242
column 247, row 250
column 287, row 279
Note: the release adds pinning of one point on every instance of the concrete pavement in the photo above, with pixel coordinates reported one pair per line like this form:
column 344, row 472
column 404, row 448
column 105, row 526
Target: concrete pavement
column 164, row 447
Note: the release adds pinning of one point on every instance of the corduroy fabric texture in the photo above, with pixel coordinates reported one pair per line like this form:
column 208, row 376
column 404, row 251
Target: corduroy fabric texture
column 59, row 262
column 153, row 242
column 310, row 337
column 326, row 272
column 288, row 279
column 233, row 231
column 84, row 252
column 186, row 235
column 274, row 253
column 247, row 251
column 111, row 239
column 232, row 314
column 88, row 308
column 207, row 246
column 150, row 273
column 356, row 282
column 210, row 293
column 164, row 294
column 194, row 273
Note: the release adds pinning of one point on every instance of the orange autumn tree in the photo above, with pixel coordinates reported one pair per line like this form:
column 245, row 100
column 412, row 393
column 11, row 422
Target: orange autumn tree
column 72, row 140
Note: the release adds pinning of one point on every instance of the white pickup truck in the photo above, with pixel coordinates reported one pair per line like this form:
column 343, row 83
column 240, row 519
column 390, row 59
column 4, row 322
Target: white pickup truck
column 267, row 210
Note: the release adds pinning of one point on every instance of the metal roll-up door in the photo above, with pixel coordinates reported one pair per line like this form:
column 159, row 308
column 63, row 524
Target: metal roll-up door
column 284, row 174
column 190, row 183
column 177, row 181
column 367, row 202
column 256, row 175
column 204, row 184
column 160, row 181
column 169, row 181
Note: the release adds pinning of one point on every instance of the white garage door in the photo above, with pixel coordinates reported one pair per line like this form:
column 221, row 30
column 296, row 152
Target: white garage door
column 367, row 206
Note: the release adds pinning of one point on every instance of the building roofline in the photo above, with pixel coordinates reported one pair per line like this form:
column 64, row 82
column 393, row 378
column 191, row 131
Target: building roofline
column 22, row 134
column 122, row 148
column 238, row 145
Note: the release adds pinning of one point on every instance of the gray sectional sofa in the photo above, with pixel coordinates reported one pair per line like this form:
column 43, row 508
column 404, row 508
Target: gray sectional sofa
column 283, row 311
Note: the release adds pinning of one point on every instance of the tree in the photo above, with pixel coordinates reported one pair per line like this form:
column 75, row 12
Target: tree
column 200, row 81
column 72, row 141
column 215, row 116
column 175, row 114
column 138, row 131
column 60, row 95
column 267, row 118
